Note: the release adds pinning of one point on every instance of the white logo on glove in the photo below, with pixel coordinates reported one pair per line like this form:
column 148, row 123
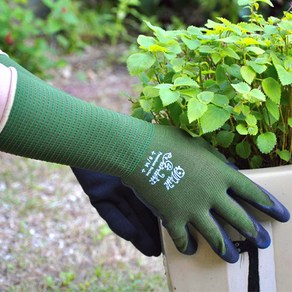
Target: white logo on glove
column 160, row 167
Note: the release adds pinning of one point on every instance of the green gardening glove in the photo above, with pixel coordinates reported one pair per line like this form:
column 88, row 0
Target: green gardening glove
column 185, row 181
column 182, row 179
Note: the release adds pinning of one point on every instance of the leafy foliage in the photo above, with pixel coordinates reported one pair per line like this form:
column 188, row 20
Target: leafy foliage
column 228, row 82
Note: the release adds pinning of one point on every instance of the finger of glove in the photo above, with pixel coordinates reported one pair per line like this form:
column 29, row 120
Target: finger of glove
column 182, row 238
column 258, row 197
column 124, row 227
column 244, row 223
column 217, row 238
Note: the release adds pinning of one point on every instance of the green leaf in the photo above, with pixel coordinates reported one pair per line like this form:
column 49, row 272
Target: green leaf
column 284, row 155
column 216, row 58
column 230, row 53
column 243, row 149
column 256, row 162
column 273, row 109
column 192, row 44
column 284, row 75
column 220, row 100
column 251, row 120
column 241, row 87
column 146, row 105
column 272, row 89
column 206, row 49
column 185, row 81
column 256, row 50
column 267, row 2
column 266, row 142
column 253, row 130
column 195, row 109
column 206, row 96
column 225, row 138
column 258, row 68
column 168, row 96
column 146, row 42
column 150, row 91
column 248, row 74
column 290, row 122
column 139, row 62
column 242, row 129
column 243, row 2
column 258, row 95
column 214, row 118
column 220, row 75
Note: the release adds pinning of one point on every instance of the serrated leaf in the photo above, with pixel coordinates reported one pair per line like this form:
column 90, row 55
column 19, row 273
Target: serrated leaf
column 213, row 119
column 139, row 62
column 206, row 96
column 168, row 96
column 220, row 100
column 257, row 94
column 253, row 130
column 266, row 142
column 150, row 91
column 284, row 155
column 243, row 149
column 258, row 68
column 225, row 138
column 272, row 89
column 251, row 120
column 241, row 87
column 284, row 75
column 248, row 74
column 196, row 109
column 273, row 109
column 146, row 105
column 242, row 129
column 185, row 81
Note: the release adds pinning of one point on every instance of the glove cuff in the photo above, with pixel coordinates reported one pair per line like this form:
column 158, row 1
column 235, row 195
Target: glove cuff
column 48, row 124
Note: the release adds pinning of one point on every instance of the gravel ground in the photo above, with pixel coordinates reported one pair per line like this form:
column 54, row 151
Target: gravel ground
column 48, row 229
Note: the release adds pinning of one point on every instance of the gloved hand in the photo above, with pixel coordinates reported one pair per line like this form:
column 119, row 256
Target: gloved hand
column 125, row 214
column 179, row 178
column 185, row 181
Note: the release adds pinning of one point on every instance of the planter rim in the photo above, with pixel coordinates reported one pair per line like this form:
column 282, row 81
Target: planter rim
column 269, row 170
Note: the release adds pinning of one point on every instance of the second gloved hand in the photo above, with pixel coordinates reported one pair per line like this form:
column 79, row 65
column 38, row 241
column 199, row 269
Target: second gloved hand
column 125, row 214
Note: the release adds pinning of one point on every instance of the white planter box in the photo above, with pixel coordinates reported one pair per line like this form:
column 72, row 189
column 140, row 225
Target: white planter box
column 205, row 271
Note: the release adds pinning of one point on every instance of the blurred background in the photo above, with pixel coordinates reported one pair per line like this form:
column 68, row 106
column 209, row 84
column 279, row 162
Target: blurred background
column 51, row 238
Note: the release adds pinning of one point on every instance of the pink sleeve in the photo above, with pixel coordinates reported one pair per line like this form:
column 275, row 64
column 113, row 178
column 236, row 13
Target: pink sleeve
column 8, row 78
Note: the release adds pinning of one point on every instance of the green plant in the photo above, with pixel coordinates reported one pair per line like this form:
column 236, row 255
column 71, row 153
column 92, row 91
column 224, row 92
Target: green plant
column 230, row 83
column 20, row 35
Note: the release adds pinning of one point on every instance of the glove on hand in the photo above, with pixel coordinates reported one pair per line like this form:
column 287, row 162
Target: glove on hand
column 185, row 181
column 125, row 214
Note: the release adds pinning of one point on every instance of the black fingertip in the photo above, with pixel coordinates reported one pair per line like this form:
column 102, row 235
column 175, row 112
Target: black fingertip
column 192, row 245
column 277, row 211
column 262, row 240
column 231, row 255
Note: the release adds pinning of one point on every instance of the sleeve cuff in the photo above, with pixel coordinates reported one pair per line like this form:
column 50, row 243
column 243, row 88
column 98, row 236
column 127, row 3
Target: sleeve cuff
column 8, row 77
